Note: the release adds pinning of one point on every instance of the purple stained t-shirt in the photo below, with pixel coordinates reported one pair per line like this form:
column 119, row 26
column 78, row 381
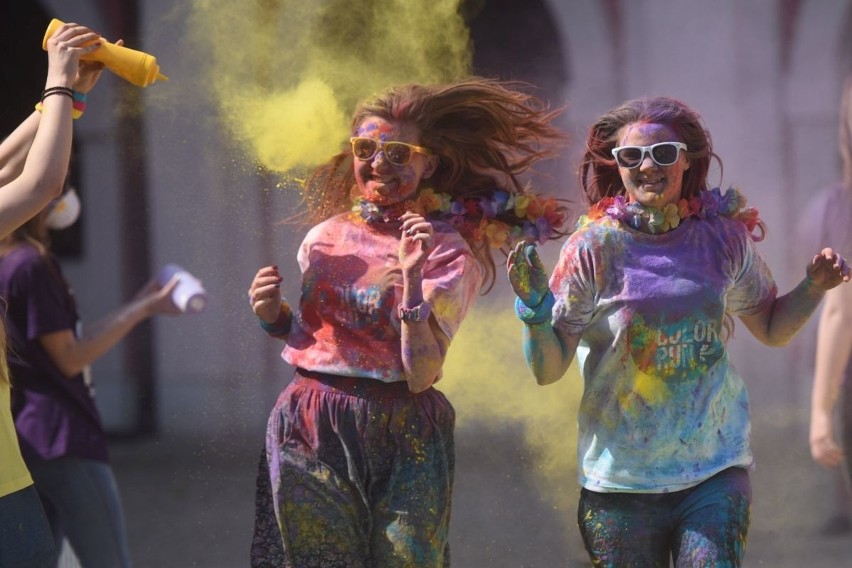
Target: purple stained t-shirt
column 54, row 415
column 663, row 408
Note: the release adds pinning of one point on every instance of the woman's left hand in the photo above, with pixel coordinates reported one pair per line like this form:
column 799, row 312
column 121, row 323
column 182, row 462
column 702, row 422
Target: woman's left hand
column 828, row 269
column 527, row 275
column 415, row 242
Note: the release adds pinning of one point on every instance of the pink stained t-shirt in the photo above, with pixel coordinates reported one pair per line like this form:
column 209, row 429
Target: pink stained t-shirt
column 347, row 323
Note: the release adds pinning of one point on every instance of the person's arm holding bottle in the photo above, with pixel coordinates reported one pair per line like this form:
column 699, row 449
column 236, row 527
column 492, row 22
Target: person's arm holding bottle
column 34, row 158
column 71, row 354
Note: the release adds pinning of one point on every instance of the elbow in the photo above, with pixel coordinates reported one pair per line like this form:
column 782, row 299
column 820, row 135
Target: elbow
column 546, row 380
column 776, row 340
column 69, row 371
column 419, row 386
column 420, row 382
column 781, row 342
column 48, row 185
column 68, row 365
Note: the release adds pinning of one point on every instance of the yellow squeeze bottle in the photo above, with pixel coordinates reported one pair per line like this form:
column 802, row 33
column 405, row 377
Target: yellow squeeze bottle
column 137, row 67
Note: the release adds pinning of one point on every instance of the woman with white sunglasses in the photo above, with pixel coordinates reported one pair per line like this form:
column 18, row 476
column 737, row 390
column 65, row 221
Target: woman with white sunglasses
column 359, row 459
column 643, row 294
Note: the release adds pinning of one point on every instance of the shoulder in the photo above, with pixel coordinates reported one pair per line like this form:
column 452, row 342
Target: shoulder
column 727, row 227
column 333, row 225
column 594, row 233
column 22, row 259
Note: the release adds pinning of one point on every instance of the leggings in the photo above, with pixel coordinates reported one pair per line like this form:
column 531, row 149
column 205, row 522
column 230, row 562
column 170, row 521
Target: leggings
column 359, row 474
column 703, row 526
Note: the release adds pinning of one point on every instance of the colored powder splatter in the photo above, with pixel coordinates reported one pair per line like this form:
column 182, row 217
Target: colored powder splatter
column 488, row 382
column 287, row 75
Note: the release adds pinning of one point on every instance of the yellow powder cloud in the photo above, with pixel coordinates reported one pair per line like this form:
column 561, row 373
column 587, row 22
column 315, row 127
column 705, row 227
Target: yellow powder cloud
column 287, row 74
column 487, row 381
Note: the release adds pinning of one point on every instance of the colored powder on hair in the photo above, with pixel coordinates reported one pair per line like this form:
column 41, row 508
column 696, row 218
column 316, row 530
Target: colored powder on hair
column 287, row 75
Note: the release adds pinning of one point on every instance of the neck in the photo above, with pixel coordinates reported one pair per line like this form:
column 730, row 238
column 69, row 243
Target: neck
column 376, row 214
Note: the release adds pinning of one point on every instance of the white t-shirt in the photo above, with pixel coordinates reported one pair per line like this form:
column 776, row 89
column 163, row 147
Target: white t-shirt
column 347, row 322
column 663, row 408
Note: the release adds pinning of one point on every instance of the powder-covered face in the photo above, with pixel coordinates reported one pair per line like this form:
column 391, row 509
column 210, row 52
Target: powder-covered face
column 382, row 182
column 652, row 184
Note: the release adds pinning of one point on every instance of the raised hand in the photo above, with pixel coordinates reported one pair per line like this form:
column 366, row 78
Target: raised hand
column 415, row 242
column 265, row 294
column 828, row 269
column 64, row 50
column 527, row 274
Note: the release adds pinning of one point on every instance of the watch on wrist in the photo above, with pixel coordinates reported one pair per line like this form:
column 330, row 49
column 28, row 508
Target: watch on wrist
column 420, row 312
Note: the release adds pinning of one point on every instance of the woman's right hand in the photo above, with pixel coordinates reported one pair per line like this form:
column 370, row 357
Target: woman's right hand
column 265, row 294
column 64, row 49
column 824, row 447
column 527, row 274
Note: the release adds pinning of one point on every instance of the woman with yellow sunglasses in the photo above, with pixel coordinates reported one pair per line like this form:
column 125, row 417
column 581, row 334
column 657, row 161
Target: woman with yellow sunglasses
column 358, row 466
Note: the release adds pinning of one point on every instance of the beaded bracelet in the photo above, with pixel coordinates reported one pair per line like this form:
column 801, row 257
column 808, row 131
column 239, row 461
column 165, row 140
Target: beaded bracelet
column 78, row 105
column 281, row 326
column 540, row 314
column 57, row 91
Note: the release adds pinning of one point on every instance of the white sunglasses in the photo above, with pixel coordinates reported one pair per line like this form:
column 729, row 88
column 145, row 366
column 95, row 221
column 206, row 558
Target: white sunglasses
column 663, row 153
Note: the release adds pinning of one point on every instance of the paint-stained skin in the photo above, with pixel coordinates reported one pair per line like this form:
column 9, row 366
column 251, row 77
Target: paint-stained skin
column 379, row 181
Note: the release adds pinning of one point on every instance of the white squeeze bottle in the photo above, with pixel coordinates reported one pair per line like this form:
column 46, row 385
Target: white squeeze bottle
column 189, row 295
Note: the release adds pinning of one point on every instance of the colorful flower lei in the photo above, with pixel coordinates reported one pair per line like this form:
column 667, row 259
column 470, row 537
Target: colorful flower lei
column 652, row 220
column 497, row 217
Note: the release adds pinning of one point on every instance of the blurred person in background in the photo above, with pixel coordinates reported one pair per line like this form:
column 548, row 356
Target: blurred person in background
column 830, row 219
column 33, row 164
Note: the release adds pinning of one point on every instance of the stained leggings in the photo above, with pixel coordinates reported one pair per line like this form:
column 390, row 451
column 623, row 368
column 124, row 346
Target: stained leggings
column 703, row 526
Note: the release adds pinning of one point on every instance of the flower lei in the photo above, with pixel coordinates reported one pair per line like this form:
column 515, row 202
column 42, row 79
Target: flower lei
column 707, row 204
column 498, row 217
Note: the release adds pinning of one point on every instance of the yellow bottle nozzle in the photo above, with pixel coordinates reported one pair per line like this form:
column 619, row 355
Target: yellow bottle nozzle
column 139, row 68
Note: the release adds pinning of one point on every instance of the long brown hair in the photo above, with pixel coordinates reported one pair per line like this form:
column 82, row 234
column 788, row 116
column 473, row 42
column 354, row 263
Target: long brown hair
column 485, row 132
column 598, row 172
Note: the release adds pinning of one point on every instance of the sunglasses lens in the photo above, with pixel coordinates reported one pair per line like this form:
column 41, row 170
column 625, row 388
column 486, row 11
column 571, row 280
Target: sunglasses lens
column 629, row 156
column 364, row 148
column 665, row 154
column 397, row 153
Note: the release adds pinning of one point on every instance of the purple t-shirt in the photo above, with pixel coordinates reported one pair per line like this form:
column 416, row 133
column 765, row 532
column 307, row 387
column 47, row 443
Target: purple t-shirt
column 54, row 415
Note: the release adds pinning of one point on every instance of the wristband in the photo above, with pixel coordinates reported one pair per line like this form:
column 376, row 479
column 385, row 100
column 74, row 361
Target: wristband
column 281, row 326
column 78, row 104
column 540, row 314
column 420, row 312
